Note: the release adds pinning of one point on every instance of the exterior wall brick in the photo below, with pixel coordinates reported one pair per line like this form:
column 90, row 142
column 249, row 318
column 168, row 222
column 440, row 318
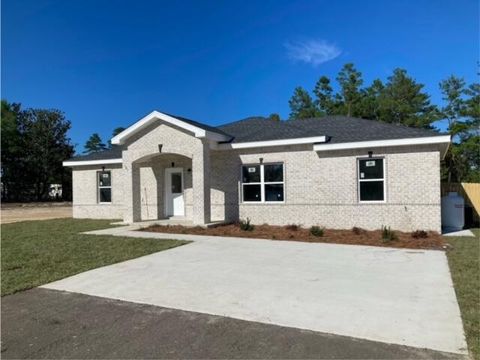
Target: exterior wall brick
column 85, row 193
column 320, row 188
column 143, row 151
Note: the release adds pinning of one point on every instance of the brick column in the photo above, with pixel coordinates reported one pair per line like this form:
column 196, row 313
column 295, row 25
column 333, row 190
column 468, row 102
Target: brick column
column 201, row 183
column 132, row 193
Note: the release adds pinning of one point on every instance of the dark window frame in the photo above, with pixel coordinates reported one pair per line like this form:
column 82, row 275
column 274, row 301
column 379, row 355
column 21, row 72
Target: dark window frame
column 262, row 183
column 383, row 179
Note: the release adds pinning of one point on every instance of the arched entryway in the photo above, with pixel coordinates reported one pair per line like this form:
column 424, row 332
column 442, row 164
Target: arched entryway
column 164, row 187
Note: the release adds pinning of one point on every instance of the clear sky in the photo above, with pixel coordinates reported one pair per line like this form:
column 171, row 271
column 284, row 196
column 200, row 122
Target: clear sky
column 107, row 63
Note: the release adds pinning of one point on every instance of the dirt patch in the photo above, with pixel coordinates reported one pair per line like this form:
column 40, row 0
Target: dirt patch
column 44, row 211
column 352, row 237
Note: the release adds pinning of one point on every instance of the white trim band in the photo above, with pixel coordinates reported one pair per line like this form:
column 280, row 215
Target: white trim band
column 92, row 162
column 382, row 143
column 268, row 143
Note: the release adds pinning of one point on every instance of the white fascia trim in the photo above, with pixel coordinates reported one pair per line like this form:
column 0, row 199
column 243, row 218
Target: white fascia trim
column 157, row 115
column 92, row 162
column 383, row 143
column 254, row 144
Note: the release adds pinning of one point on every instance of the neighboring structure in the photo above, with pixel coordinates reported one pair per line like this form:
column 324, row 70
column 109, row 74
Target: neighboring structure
column 335, row 171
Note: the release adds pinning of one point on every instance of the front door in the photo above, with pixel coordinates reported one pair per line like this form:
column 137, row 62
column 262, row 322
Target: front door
column 174, row 205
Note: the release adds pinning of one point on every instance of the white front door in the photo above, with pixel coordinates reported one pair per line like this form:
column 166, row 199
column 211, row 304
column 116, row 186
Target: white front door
column 174, row 205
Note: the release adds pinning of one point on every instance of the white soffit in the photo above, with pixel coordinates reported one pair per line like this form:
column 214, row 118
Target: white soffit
column 269, row 143
column 445, row 139
column 92, row 162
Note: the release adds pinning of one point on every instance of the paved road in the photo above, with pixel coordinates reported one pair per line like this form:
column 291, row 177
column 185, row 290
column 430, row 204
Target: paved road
column 397, row 296
column 42, row 323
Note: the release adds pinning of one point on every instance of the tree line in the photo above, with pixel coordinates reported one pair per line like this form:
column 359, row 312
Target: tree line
column 402, row 100
column 34, row 144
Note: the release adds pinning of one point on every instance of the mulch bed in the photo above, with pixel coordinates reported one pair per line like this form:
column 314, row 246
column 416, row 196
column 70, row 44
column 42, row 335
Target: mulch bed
column 351, row 237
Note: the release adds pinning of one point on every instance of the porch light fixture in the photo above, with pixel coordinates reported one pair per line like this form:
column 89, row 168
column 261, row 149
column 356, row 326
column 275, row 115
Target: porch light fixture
column 103, row 168
column 261, row 160
column 370, row 154
column 160, row 147
column 173, row 164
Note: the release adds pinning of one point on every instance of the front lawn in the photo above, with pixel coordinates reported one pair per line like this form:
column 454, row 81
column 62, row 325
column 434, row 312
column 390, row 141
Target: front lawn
column 464, row 263
column 39, row 252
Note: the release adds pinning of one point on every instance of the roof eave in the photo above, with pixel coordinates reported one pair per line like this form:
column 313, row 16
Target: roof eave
column 72, row 163
column 428, row 140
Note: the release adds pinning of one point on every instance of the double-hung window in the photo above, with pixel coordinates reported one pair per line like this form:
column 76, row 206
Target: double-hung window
column 371, row 180
column 104, row 182
column 263, row 183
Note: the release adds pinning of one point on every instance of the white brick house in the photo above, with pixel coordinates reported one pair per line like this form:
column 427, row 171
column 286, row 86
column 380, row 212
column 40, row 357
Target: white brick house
column 336, row 172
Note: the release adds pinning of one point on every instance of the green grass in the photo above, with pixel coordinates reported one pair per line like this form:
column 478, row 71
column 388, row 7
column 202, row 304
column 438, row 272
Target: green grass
column 465, row 268
column 38, row 252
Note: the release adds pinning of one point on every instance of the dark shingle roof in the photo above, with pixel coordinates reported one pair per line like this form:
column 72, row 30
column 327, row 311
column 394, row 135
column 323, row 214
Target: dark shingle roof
column 338, row 129
column 114, row 153
column 200, row 125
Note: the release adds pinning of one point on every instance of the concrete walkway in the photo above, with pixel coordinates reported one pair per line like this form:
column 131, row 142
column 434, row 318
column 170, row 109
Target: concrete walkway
column 466, row 232
column 397, row 296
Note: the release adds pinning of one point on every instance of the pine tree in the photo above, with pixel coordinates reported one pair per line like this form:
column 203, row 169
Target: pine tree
column 302, row 105
column 325, row 97
column 350, row 81
column 403, row 102
column 94, row 144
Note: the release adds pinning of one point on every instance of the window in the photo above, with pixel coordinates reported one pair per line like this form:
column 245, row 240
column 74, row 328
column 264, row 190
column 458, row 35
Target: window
column 371, row 180
column 262, row 183
column 104, row 186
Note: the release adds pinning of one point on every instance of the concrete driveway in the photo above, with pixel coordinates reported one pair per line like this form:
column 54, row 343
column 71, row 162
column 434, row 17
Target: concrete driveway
column 390, row 295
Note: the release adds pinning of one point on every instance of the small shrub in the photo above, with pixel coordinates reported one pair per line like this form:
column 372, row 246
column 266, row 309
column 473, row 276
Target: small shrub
column 292, row 227
column 388, row 234
column 245, row 225
column 357, row 230
column 317, row 231
column 419, row 234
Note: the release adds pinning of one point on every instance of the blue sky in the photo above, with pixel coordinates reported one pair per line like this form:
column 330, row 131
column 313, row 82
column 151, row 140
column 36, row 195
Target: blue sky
column 108, row 63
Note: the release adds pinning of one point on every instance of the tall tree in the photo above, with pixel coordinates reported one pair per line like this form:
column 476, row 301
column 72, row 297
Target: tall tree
column 94, row 144
column 302, row 105
column 11, row 149
column 369, row 107
column 469, row 136
column 350, row 81
column 44, row 133
column 403, row 101
column 326, row 102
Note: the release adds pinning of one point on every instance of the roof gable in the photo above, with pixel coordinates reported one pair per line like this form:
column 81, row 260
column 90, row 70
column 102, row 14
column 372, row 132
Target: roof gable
column 198, row 129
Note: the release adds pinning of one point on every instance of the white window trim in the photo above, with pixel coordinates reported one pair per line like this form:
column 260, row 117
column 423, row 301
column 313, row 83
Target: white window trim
column 384, row 179
column 104, row 187
column 262, row 183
